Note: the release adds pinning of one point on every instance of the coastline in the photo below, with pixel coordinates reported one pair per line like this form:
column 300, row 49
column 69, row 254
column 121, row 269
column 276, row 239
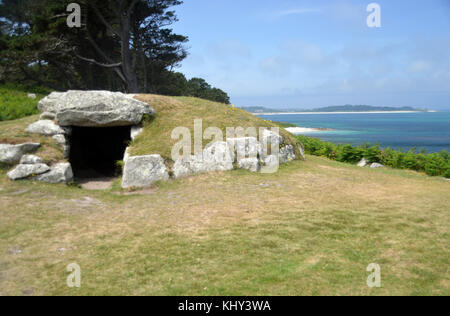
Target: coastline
column 318, row 113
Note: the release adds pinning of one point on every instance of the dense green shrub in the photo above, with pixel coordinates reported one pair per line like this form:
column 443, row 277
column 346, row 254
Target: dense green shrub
column 436, row 164
column 15, row 103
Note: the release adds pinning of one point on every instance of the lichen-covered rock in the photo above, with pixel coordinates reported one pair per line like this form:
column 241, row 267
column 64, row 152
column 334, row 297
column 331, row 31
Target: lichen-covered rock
column 287, row 153
column 218, row 157
column 215, row 157
column 185, row 167
column 251, row 164
column 244, row 147
column 59, row 173
column 95, row 108
column 45, row 127
column 11, row 154
column 25, row 171
column 31, row 160
column 142, row 171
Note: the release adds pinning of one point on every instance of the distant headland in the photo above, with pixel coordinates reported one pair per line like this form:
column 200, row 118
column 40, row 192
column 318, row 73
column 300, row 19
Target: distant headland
column 336, row 109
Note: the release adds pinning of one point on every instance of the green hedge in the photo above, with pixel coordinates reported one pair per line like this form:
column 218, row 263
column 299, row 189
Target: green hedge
column 15, row 103
column 436, row 164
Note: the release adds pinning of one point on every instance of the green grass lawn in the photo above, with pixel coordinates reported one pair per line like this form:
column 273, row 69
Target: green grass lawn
column 311, row 229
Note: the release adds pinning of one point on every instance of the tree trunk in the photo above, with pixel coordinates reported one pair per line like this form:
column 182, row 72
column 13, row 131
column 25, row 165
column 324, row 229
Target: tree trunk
column 128, row 67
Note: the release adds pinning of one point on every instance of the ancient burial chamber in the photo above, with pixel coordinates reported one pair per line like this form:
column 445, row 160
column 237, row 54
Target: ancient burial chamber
column 92, row 127
column 95, row 128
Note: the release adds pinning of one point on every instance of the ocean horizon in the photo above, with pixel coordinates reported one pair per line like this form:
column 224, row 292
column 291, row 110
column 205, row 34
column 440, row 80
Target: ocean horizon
column 428, row 131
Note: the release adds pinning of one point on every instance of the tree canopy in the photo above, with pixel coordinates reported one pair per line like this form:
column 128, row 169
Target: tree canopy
column 122, row 45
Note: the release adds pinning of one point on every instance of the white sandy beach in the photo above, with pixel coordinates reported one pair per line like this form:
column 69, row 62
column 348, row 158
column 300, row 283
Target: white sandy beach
column 304, row 130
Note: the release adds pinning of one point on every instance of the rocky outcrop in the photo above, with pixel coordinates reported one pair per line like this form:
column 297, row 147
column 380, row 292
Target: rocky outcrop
column 25, row 171
column 94, row 108
column 59, row 173
column 11, row 154
column 45, row 127
column 142, row 171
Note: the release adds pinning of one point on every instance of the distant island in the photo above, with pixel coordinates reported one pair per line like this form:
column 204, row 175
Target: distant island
column 334, row 109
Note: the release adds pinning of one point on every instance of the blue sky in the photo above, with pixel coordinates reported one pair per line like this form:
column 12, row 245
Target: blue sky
column 303, row 54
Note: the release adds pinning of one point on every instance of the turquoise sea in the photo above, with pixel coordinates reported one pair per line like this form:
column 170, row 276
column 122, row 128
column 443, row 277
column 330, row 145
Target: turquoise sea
column 423, row 130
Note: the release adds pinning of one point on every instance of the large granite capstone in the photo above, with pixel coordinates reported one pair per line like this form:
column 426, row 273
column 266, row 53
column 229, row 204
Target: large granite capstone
column 94, row 108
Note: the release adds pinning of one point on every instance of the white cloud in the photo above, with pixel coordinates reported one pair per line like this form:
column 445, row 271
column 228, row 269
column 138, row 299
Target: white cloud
column 296, row 11
column 420, row 66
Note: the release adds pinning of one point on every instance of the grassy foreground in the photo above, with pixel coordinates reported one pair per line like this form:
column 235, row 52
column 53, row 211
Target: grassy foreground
column 313, row 228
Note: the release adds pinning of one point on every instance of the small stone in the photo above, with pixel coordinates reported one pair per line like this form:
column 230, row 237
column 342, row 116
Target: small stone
column 60, row 139
column 45, row 127
column 59, row 173
column 217, row 156
column 142, row 171
column 11, row 154
column 362, row 163
column 30, row 160
column 24, row 171
column 32, row 95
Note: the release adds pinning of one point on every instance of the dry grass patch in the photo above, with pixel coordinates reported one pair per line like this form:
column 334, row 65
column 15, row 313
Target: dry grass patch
column 306, row 230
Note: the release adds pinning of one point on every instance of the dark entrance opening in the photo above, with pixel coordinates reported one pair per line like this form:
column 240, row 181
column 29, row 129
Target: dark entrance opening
column 94, row 152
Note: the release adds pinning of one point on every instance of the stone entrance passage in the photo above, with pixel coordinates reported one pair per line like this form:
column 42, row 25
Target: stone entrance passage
column 95, row 151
